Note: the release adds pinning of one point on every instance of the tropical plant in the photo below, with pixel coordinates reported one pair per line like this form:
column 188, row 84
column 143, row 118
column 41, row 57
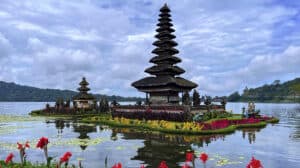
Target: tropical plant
column 22, row 148
column 186, row 98
column 196, row 98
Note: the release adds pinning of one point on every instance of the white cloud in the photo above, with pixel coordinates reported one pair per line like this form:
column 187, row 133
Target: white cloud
column 260, row 68
column 27, row 26
column 5, row 46
column 76, row 34
column 224, row 45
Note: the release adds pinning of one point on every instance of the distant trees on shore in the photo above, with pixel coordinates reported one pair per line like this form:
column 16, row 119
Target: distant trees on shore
column 276, row 92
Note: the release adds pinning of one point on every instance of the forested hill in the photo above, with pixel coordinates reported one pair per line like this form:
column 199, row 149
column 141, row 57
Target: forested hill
column 276, row 92
column 15, row 92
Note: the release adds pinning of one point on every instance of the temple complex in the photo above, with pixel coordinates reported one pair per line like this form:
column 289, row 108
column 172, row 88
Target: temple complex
column 84, row 100
column 164, row 84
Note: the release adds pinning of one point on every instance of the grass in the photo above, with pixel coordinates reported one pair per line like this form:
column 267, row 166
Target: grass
column 273, row 120
column 41, row 114
column 253, row 125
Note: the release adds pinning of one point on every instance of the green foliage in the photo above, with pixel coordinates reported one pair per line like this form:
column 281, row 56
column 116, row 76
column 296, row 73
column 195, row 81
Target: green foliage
column 186, row 98
column 276, row 92
column 207, row 100
column 215, row 115
column 103, row 105
column 115, row 103
column 68, row 103
column 196, row 98
column 234, row 97
column 138, row 103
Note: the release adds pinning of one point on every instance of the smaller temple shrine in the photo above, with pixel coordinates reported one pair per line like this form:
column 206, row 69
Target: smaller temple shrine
column 84, row 100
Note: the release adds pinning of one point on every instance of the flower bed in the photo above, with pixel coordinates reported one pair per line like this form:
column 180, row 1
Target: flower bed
column 179, row 116
column 220, row 126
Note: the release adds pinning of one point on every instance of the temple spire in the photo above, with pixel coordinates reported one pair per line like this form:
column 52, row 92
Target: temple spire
column 83, row 86
column 165, row 47
column 164, row 84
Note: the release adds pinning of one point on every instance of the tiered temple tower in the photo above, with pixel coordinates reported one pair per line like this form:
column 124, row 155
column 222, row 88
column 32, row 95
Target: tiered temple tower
column 165, row 84
column 83, row 99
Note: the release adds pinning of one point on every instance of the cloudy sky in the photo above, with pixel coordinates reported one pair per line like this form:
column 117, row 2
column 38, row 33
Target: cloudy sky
column 225, row 45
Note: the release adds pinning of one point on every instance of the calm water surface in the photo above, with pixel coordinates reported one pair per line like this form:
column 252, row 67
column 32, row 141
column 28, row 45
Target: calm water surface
column 277, row 146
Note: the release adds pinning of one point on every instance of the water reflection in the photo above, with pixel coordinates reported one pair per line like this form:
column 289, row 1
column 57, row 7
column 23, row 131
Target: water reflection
column 158, row 147
column 296, row 118
column 82, row 129
column 250, row 133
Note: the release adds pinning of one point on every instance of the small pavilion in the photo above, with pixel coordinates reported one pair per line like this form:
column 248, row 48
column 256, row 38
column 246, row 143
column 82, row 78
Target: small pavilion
column 84, row 100
column 164, row 84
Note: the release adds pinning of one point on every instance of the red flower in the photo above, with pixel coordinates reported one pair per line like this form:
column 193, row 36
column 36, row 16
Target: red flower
column 189, row 156
column 20, row 146
column 65, row 157
column 27, row 144
column 9, row 158
column 118, row 165
column 185, row 166
column 142, row 166
column 203, row 157
column 42, row 142
column 163, row 164
column 254, row 163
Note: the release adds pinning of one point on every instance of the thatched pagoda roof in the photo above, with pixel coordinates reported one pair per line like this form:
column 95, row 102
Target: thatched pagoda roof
column 83, row 91
column 165, row 70
column 164, row 81
column 84, row 96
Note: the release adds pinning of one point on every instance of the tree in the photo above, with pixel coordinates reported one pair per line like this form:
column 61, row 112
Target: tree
column 246, row 92
column 68, row 102
column 208, row 100
column 196, row 98
column 103, row 105
column 223, row 101
column 138, row 103
column 147, row 102
column 276, row 82
column 186, row 98
column 234, row 97
column 114, row 103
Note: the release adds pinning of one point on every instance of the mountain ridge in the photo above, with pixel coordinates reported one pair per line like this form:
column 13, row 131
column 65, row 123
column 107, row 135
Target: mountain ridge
column 288, row 91
column 10, row 91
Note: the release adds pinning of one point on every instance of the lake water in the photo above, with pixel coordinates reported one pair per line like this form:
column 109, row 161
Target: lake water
column 277, row 145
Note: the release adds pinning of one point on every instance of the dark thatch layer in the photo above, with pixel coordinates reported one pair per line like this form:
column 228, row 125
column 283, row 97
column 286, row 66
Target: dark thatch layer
column 171, row 59
column 165, row 69
column 84, row 96
column 164, row 81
